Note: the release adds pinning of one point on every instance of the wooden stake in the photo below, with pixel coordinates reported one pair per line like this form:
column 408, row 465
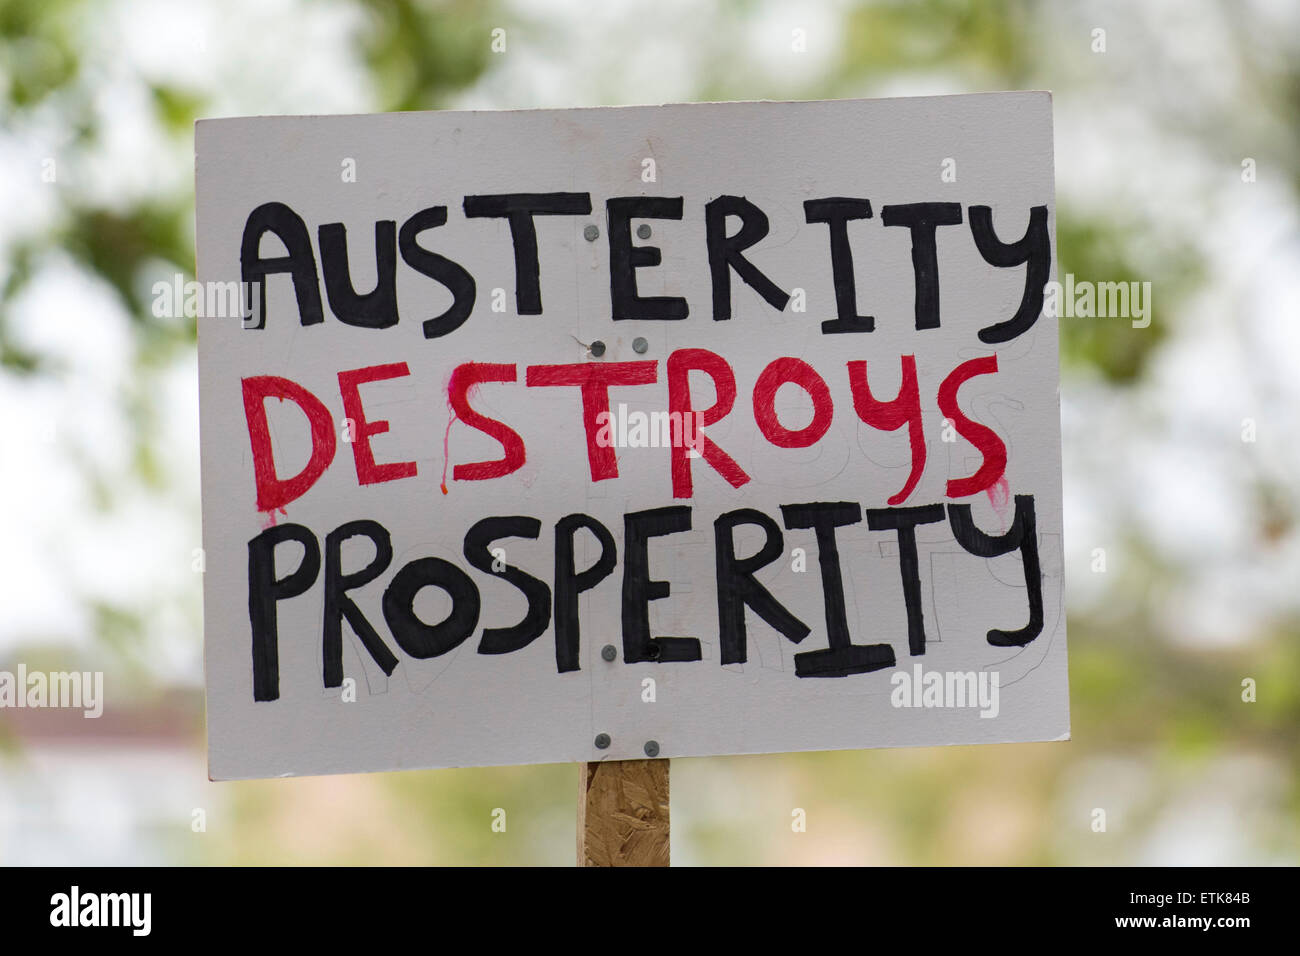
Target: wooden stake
column 623, row 813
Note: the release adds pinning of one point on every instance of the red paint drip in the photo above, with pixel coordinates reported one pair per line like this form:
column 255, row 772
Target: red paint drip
column 999, row 496
column 446, row 444
column 446, row 453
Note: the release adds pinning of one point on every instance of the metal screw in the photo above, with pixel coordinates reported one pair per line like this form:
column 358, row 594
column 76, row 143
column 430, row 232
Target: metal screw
column 643, row 231
column 597, row 348
column 652, row 748
column 609, row 652
column 591, row 233
column 602, row 742
column 640, row 345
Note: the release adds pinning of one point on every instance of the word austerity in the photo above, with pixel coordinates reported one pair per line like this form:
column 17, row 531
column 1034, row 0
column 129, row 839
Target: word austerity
column 378, row 308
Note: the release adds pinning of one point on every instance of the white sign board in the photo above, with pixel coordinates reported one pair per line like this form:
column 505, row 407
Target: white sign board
column 542, row 436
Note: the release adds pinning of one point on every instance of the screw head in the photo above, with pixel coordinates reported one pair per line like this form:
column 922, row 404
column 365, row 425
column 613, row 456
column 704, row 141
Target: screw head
column 609, row 652
column 652, row 748
column 643, row 231
column 602, row 741
column 591, row 233
column 640, row 346
column 597, row 348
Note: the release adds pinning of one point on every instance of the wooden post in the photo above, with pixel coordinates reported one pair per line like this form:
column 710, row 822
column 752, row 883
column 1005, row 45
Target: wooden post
column 623, row 813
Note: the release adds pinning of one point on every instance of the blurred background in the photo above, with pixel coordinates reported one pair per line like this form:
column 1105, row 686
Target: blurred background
column 1176, row 163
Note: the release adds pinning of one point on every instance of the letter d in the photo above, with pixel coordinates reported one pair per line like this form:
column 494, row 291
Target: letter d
column 273, row 492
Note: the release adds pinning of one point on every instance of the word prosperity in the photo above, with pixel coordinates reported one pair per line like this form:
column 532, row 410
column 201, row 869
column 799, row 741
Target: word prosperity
column 555, row 601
